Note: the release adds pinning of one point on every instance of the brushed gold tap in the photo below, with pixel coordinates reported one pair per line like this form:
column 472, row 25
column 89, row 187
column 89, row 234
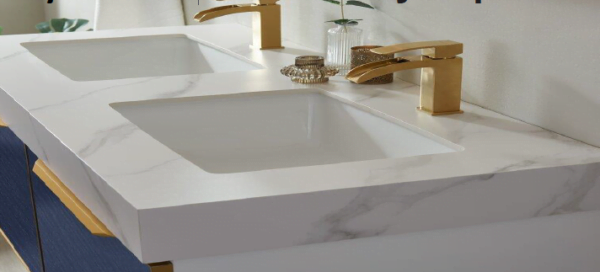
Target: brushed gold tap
column 266, row 20
column 441, row 76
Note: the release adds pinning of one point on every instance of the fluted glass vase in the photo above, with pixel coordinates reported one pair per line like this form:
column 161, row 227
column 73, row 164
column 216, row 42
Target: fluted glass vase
column 340, row 40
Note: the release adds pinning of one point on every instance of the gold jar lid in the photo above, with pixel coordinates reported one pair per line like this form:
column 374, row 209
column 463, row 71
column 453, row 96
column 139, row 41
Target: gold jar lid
column 309, row 70
column 310, row 61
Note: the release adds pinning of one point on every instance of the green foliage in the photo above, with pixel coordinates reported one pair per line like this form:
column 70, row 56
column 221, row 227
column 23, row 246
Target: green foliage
column 61, row 25
column 359, row 4
column 44, row 27
column 343, row 20
column 0, row 30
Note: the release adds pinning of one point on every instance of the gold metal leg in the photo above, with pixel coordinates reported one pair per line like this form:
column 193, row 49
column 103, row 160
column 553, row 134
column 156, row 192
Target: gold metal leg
column 2, row 124
column 161, row 267
column 9, row 257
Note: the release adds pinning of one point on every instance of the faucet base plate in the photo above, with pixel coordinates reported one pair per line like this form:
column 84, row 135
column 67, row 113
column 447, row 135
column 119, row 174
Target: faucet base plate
column 440, row 113
column 266, row 48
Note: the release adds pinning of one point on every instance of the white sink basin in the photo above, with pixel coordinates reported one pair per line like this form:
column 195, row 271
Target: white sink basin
column 250, row 132
column 141, row 56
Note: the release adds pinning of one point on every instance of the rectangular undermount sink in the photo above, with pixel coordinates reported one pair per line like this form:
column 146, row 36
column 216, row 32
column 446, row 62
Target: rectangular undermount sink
column 140, row 56
column 269, row 130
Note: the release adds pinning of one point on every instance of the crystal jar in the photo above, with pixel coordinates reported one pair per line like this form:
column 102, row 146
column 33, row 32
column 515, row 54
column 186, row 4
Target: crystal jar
column 340, row 40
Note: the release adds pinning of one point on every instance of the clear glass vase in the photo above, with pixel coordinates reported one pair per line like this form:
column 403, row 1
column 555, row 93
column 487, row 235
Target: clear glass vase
column 340, row 40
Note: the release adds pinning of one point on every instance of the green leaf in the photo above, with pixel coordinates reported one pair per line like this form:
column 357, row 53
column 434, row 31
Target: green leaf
column 333, row 2
column 61, row 25
column 44, row 27
column 0, row 30
column 78, row 23
column 67, row 25
column 359, row 4
column 348, row 22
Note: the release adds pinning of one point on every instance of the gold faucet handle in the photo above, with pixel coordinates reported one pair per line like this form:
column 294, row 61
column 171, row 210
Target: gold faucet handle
column 433, row 49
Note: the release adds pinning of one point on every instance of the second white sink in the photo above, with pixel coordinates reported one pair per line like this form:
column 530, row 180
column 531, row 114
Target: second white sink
column 140, row 56
column 258, row 131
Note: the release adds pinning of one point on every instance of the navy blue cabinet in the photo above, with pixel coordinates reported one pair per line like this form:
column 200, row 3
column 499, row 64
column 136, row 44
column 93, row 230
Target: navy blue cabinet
column 16, row 209
column 68, row 246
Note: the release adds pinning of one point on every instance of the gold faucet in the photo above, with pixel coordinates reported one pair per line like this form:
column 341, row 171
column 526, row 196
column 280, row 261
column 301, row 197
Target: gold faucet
column 266, row 20
column 441, row 76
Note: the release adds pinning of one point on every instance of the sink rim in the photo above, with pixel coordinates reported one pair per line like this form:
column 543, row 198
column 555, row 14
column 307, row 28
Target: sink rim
column 376, row 113
column 29, row 45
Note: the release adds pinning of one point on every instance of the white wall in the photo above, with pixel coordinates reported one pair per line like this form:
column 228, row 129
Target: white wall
column 534, row 60
column 20, row 16
column 72, row 9
column 550, row 244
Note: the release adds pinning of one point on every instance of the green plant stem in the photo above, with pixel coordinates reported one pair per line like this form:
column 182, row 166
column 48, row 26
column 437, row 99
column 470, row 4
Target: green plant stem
column 343, row 18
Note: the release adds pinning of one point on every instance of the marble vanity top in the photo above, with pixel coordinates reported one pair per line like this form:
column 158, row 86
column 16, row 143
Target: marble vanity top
column 163, row 207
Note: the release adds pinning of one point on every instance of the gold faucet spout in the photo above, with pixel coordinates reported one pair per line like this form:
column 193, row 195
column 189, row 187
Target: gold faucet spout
column 365, row 72
column 266, row 20
column 441, row 74
column 212, row 13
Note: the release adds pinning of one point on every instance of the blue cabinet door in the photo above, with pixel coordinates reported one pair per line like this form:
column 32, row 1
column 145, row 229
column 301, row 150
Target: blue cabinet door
column 16, row 209
column 68, row 246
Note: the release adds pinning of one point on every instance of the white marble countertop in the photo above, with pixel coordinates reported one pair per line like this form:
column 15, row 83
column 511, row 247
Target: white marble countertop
column 163, row 207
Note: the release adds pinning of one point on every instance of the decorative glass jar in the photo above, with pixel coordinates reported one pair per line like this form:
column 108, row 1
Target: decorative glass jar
column 309, row 70
column 340, row 40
